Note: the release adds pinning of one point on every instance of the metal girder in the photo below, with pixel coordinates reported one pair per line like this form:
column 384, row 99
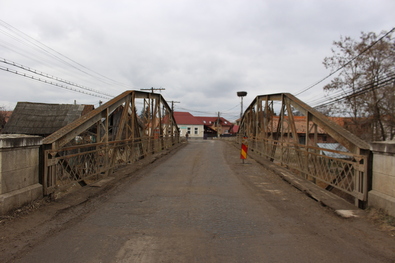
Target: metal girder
column 108, row 137
column 64, row 135
column 346, row 138
column 278, row 138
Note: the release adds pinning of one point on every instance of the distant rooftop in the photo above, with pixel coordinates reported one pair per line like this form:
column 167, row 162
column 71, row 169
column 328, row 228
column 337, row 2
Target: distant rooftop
column 186, row 118
column 212, row 120
column 43, row 119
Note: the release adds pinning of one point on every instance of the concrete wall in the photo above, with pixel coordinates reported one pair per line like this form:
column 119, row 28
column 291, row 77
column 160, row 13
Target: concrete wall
column 19, row 171
column 382, row 194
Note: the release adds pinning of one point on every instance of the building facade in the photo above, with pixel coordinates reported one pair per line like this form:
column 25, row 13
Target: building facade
column 188, row 124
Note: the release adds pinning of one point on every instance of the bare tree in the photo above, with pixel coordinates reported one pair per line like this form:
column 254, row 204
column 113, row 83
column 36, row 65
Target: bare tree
column 367, row 83
column 3, row 115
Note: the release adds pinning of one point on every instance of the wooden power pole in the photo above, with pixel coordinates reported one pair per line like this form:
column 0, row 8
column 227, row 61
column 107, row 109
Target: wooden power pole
column 152, row 89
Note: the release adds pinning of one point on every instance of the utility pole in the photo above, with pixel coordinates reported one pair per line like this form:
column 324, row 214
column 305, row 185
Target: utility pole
column 172, row 104
column 241, row 94
column 152, row 89
column 218, row 120
column 172, row 113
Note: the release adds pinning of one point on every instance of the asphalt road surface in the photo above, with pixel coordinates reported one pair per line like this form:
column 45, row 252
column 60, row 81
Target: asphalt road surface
column 201, row 204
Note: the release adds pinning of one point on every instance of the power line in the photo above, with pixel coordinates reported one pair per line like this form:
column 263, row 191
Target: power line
column 204, row 112
column 344, row 65
column 23, row 37
column 364, row 89
column 238, row 105
column 52, row 77
column 52, row 83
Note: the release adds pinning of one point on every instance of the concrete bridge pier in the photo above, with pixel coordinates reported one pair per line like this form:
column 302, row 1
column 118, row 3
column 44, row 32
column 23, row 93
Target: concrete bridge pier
column 382, row 194
column 19, row 171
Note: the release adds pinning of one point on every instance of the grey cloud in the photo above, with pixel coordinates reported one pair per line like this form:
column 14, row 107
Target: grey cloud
column 202, row 52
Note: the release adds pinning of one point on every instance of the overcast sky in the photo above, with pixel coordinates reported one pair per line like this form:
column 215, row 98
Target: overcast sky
column 201, row 52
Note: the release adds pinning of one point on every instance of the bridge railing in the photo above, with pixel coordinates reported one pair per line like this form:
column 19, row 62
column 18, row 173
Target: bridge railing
column 112, row 136
column 310, row 145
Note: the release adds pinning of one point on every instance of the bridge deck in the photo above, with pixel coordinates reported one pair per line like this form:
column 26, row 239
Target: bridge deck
column 203, row 205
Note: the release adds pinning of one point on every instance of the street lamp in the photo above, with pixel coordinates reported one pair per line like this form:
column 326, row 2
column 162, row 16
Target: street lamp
column 241, row 94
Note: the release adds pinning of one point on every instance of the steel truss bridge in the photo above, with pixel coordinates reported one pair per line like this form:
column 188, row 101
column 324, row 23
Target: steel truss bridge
column 128, row 128
column 137, row 124
column 345, row 169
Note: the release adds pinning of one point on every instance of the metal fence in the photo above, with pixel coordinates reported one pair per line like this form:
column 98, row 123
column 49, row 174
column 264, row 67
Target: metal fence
column 126, row 129
column 348, row 174
column 96, row 161
column 297, row 137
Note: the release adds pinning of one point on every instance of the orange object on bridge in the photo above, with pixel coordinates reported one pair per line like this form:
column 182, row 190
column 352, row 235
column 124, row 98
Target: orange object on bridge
column 244, row 149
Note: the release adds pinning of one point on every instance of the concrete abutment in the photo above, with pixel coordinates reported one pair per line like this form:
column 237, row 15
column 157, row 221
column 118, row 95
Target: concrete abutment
column 19, row 171
column 382, row 194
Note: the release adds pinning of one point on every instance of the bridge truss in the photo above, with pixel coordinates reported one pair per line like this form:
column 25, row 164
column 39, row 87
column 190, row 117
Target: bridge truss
column 324, row 152
column 128, row 128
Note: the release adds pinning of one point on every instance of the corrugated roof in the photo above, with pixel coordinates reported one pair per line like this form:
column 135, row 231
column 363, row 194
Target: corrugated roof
column 43, row 119
column 186, row 118
column 334, row 147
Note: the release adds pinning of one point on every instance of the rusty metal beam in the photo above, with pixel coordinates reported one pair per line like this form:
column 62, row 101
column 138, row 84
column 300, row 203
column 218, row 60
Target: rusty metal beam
column 64, row 135
column 106, row 138
column 274, row 133
column 349, row 140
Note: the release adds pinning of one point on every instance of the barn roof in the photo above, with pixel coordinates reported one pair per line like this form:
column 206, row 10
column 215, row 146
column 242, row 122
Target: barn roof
column 43, row 119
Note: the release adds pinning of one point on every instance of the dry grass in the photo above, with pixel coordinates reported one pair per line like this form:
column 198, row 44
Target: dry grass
column 381, row 219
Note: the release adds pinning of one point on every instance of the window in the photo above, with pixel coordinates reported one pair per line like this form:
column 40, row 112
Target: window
column 196, row 131
column 189, row 130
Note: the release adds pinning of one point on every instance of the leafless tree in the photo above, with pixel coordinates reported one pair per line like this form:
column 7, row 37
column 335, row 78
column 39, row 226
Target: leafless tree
column 3, row 115
column 367, row 83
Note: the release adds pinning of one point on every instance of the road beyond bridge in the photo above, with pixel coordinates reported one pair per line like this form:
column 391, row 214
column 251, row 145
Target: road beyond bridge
column 199, row 204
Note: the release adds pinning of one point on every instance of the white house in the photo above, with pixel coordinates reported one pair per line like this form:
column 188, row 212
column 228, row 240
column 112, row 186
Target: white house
column 189, row 124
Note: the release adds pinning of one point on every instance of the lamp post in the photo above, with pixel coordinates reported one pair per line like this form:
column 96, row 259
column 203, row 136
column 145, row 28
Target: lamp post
column 241, row 94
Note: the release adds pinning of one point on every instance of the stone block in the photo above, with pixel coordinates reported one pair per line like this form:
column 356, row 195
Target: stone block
column 383, row 177
column 19, row 170
column 15, row 199
column 384, row 183
column 19, row 157
column 384, row 164
column 19, row 178
column 383, row 201
column 19, row 161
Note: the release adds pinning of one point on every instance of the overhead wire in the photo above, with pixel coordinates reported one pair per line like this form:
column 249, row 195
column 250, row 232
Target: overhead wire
column 364, row 89
column 52, row 83
column 347, row 63
column 190, row 110
column 3, row 60
column 23, row 38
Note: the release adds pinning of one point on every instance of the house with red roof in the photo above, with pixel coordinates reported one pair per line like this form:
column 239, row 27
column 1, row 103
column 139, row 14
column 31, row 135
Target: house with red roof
column 202, row 127
column 219, row 125
column 187, row 123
